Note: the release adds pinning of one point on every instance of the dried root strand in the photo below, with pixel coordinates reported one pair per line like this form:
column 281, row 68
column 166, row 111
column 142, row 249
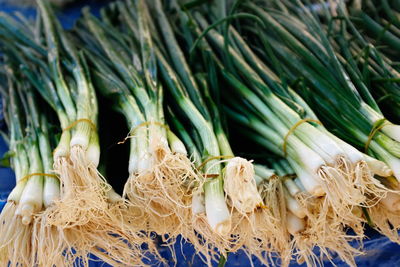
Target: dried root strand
column 59, row 246
column 83, row 194
column 386, row 218
column 86, row 219
column 15, row 239
column 340, row 187
column 368, row 185
column 164, row 192
column 361, row 178
column 273, row 214
column 326, row 230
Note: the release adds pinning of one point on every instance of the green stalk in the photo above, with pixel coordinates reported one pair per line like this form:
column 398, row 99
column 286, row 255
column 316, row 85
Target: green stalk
column 378, row 31
column 125, row 69
column 110, row 86
column 32, row 196
column 17, row 140
column 20, row 164
column 54, row 61
column 186, row 138
column 149, row 63
column 51, row 188
column 217, row 212
column 179, row 62
column 203, row 127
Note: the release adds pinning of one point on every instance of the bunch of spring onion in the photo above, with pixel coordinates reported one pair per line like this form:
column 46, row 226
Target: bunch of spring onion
column 371, row 66
column 326, row 164
column 319, row 60
column 337, row 94
column 301, row 222
column 375, row 67
column 258, row 231
column 87, row 218
column 36, row 186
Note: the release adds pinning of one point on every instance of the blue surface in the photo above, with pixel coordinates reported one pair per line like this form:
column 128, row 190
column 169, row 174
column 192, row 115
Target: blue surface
column 379, row 251
column 67, row 17
column 7, row 180
column 6, row 174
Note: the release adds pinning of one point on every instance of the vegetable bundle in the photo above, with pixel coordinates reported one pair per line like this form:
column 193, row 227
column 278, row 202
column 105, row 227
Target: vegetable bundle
column 299, row 89
column 36, row 187
column 339, row 94
column 83, row 213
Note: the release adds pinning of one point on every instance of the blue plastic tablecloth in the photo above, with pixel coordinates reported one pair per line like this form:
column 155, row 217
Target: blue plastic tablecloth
column 379, row 251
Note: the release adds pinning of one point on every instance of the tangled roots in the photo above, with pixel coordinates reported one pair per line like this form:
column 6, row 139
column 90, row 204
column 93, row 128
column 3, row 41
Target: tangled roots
column 59, row 246
column 260, row 233
column 340, row 187
column 360, row 177
column 385, row 217
column 304, row 250
column 275, row 216
column 164, row 192
column 15, row 245
column 368, row 185
column 270, row 236
column 86, row 219
column 325, row 229
column 83, row 192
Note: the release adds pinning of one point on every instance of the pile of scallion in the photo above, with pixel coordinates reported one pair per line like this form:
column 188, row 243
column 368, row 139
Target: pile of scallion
column 83, row 214
column 262, row 126
column 36, row 186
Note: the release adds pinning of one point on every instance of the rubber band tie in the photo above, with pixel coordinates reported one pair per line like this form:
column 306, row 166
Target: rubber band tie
column 288, row 176
column 375, row 128
column 26, row 177
column 292, row 129
column 75, row 123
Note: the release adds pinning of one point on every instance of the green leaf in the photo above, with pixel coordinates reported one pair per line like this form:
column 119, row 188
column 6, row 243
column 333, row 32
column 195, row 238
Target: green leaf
column 5, row 160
